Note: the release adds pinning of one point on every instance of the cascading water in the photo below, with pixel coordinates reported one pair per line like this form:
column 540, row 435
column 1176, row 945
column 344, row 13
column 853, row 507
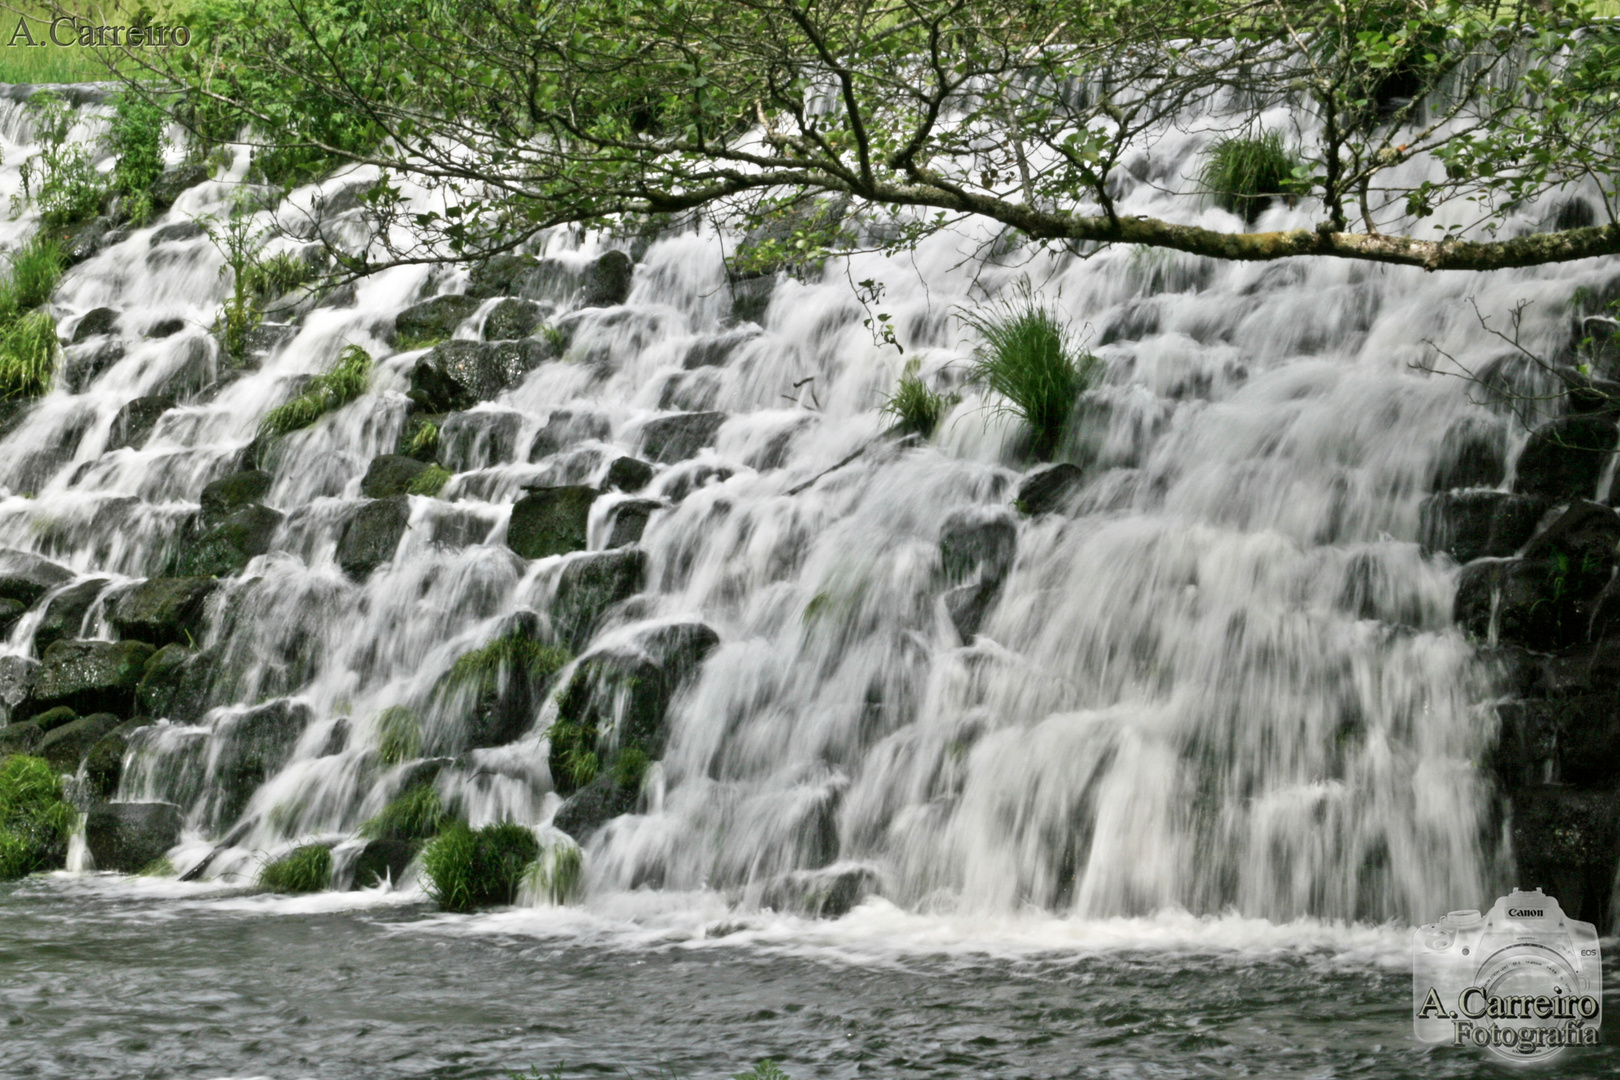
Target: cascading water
column 1224, row 678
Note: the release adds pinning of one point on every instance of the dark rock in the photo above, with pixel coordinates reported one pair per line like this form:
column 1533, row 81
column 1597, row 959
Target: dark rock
column 1537, row 603
column 51, row 719
column 104, row 763
column 1573, row 740
column 128, row 837
column 820, row 894
column 167, row 187
column 197, row 371
column 180, row 230
column 66, row 746
column 101, row 320
column 511, row 318
column 550, row 521
column 457, row 375
column 682, row 481
column 250, row 747
column 454, row 527
column 978, row 545
column 166, row 328
column 20, row 738
column 716, row 352
column 79, row 242
column 382, row 861
column 628, row 520
column 26, row 577
column 607, row 281
column 500, row 693
column 627, row 474
column 238, row 489
column 222, row 544
column 675, row 438
column 91, row 676
column 967, row 605
column 17, row 675
column 164, row 611
column 564, row 428
column 337, row 739
column 175, row 684
column 1585, row 537
column 65, row 612
column 372, row 534
column 83, row 364
column 1472, row 454
column 10, row 612
column 1469, row 525
column 588, row 586
column 1566, row 842
column 390, row 474
column 1046, row 491
column 594, row 805
column 433, row 320
column 751, row 298
column 500, row 275
column 136, row 420
column 1565, row 457
column 477, row 440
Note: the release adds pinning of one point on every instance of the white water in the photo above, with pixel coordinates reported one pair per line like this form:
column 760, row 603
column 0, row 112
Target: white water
column 1226, row 682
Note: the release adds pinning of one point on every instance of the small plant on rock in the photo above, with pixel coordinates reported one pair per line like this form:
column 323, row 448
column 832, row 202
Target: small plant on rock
column 484, row 666
column 1243, row 175
column 61, row 179
column 1028, row 359
column 322, row 394
column 467, row 870
column 430, row 481
column 399, row 735
column 558, row 875
column 915, row 408
column 28, row 349
column 303, row 870
column 417, row 813
column 35, row 269
column 35, row 821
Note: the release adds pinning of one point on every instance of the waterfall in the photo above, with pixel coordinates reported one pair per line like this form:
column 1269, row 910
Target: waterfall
column 1223, row 677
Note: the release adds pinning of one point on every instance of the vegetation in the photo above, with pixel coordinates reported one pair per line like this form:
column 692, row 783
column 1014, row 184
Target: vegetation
column 915, row 408
column 322, row 394
column 136, row 137
column 430, row 481
column 483, row 667
column 1243, row 174
column 305, row 869
column 467, row 870
column 399, row 735
column 558, row 875
column 573, row 752
column 35, row 821
column 1028, row 360
column 61, row 179
column 35, row 269
column 28, row 349
column 417, row 813
column 423, row 441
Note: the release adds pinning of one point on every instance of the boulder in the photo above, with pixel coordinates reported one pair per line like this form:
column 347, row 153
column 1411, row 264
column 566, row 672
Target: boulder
column 65, row 612
column 1574, row 740
column 168, row 186
column 164, row 328
column 96, row 321
column 628, row 520
column 1537, row 603
column 10, row 612
column 432, row 320
column 128, row 837
column 104, row 763
column 1567, row 842
column 21, row 738
column 238, row 489
column 1469, row 525
column 1565, row 457
column 716, row 351
column 372, row 534
column 675, row 438
column 17, row 675
column 594, row 805
column 251, row 746
column 459, row 374
column 221, row 544
column 510, row 319
column 683, row 480
column 978, row 545
column 381, row 861
column 51, row 719
column 627, row 474
column 1471, row 454
column 82, row 364
column 501, row 275
column 1047, row 490
column 479, row 439
column 550, row 521
column 390, row 474
column 588, row 586
column 136, row 420
column 175, row 684
column 164, row 611
column 179, row 231
column 64, row 747
column 564, row 428
column 1585, row 536
column 820, row 894
column 91, row 676
column 26, row 577
column 607, row 280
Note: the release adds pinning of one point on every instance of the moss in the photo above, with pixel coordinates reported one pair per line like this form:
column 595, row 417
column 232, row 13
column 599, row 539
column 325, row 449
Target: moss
column 430, row 481
column 324, row 393
column 915, row 408
column 467, row 870
column 35, row 821
column 630, row 767
column 303, row 870
column 1243, row 175
column 483, row 667
column 399, row 735
column 417, row 813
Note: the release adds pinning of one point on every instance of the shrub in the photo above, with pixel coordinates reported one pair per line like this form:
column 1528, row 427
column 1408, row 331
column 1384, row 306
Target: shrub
column 136, row 137
column 28, row 356
column 915, row 408
column 399, row 735
column 430, row 481
column 467, row 870
column 62, row 178
column 322, row 394
column 417, row 813
column 1027, row 358
column 1243, row 175
column 35, row 822
column 303, row 870
column 277, row 274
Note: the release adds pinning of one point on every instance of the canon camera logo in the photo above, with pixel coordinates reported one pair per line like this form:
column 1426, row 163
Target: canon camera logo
column 1524, row 913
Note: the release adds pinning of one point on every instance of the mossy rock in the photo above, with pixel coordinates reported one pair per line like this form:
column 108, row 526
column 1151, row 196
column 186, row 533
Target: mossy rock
column 511, row 319
column 550, row 521
column 25, row 577
column 163, row 611
column 675, row 438
column 129, row 837
column 457, row 375
column 92, row 676
column 382, row 862
column 104, row 762
column 238, row 489
column 222, row 543
column 390, row 474
column 175, row 684
column 65, row 747
column 591, row 584
column 10, row 612
column 20, row 738
column 136, row 420
column 250, row 747
column 432, row 320
column 372, row 535
column 1046, row 490
column 500, row 275
column 627, row 474
column 64, row 614
column 499, row 687
column 607, row 280
column 478, row 439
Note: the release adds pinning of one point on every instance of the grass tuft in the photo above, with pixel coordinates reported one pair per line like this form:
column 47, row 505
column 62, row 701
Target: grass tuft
column 424, row 440
column 558, row 875
column 1243, row 175
column 28, row 349
column 324, row 393
column 35, row 821
column 35, row 269
column 483, row 667
column 1028, row 359
column 430, row 481
column 302, row 870
column 399, row 735
column 467, row 870
column 915, row 408
column 417, row 813
column 573, row 749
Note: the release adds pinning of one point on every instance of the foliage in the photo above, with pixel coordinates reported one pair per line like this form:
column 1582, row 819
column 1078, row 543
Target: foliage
column 424, row 439
column 399, row 735
column 430, row 481
column 34, row 271
column 238, row 240
column 417, row 813
column 573, row 745
column 35, row 822
column 303, row 870
column 630, row 767
column 1243, row 174
column 28, row 349
column 558, row 875
column 915, row 408
column 136, row 137
column 482, row 668
column 1028, row 360
column 322, row 394
column 61, row 179
column 762, row 1070
column 467, row 870
column 276, row 275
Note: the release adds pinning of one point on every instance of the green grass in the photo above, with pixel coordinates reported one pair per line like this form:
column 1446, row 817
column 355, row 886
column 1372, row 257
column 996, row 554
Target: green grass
column 33, row 271
column 322, row 394
column 71, row 64
column 573, row 750
column 1028, row 359
column 417, row 813
column 28, row 349
column 424, row 440
column 399, row 735
column 1243, row 175
column 915, row 408
column 303, row 870
column 430, row 481
column 483, row 667
column 467, row 870
column 35, row 822
column 558, row 875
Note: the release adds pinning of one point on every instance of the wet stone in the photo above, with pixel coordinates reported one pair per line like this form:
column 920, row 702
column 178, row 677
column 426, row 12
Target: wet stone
column 101, row 320
column 479, row 439
column 1472, row 454
column 675, row 438
column 180, row 230
column 372, row 535
column 65, row 612
column 163, row 611
column 628, row 520
column 432, row 320
column 457, row 375
column 10, row 612
column 1469, row 525
column 1565, row 457
column 550, row 521
column 1567, row 842
column 136, row 420
column 978, row 544
column 25, row 577
column 381, row 861
column 20, row 738
column 627, row 474
column 127, row 837
column 64, row 747
column 164, row 328
column 607, row 280
column 1046, row 491
column 588, row 586
column 168, row 186
column 104, row 763
column 510, row 319
column 222, row 544
column 390, row 474
column 91, row 676
column 251, row 747
column 174, row 684
column 565, row 428
column 17, row 675
column 238, row 489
